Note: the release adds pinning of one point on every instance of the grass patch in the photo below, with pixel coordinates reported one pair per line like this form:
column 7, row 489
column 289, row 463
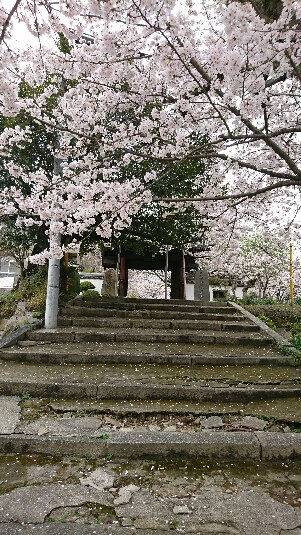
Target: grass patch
column 31, row 290
column 25, row 395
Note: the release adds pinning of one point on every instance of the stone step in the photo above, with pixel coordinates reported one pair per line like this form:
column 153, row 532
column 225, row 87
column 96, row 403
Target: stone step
column 223, row 446
column 82, row 334
column 149, row 314
column 153, row 314
column 141, row 353
column 153, row 305
column 150, row 374
column 115, row 414
column 102, row 424
column 25, row 428
column 129, row 391
column 161, row 324
column 193, row 384
column 141, row 301
column 202, row 383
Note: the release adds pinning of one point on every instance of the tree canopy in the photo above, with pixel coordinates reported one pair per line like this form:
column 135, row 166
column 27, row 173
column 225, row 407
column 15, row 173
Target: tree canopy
column 228, row 72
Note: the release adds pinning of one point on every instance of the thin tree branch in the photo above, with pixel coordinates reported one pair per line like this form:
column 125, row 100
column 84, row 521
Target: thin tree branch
column 7, row 21
column 247, row 194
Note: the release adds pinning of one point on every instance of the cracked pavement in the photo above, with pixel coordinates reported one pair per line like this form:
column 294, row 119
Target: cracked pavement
column 68, row 495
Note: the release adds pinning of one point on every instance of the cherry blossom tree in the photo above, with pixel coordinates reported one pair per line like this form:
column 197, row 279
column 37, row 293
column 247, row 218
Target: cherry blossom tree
column 146, row 284
column 91, row 261
column 257, row 258
column 215, row 68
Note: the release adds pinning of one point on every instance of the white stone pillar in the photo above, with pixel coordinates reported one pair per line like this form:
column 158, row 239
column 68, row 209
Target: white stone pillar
column 53, row 287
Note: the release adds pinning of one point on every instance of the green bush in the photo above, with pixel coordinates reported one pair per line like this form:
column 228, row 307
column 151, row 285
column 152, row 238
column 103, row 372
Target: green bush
column 86, row 285
column 8, row 304
column 296, row 341
column 91, row 293
column 37, row 302
column 296, row 327
column 267, row 321
column 69, row 284
column 280, row 315
column 253, row 299
column 33, row 282
column 34, row 291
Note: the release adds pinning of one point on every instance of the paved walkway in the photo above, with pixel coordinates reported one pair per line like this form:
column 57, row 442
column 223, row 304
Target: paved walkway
column 67, row 495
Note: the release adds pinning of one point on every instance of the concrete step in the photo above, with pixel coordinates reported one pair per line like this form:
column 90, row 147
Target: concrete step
column 134, row 378
column 201, row 383
column 130, row 414
column 162, row 324
column 86, row 429
column 133, row 391
column 141, row 301
column 83, row 311
column 221, row 447
column 141, row 353
column 153, row 374
column 153, row 305
column 103, row 424
column 82, row 334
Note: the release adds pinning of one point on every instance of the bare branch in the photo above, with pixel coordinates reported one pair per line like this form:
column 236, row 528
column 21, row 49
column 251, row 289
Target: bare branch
column 256, row 137
column 245, row 195
column 7, row 21
column 264, row 171
column 272, row 144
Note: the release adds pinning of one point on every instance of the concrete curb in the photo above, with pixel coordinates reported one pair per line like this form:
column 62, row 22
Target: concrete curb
column 19, row 334
column 221, row 446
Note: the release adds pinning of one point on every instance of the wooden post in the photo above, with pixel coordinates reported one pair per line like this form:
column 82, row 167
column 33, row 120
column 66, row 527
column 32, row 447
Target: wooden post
column 181, row 291
column 184, row 275
column 174, row 290
column 166, row 270
column 118, row 269
column 122, row 277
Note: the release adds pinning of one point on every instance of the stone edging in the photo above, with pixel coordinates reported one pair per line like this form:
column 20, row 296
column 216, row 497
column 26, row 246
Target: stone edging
column 280, row 340
column 267, row 330
column 12, row 338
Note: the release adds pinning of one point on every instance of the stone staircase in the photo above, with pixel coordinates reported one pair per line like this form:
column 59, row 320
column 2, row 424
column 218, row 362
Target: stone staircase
column 129, row 378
